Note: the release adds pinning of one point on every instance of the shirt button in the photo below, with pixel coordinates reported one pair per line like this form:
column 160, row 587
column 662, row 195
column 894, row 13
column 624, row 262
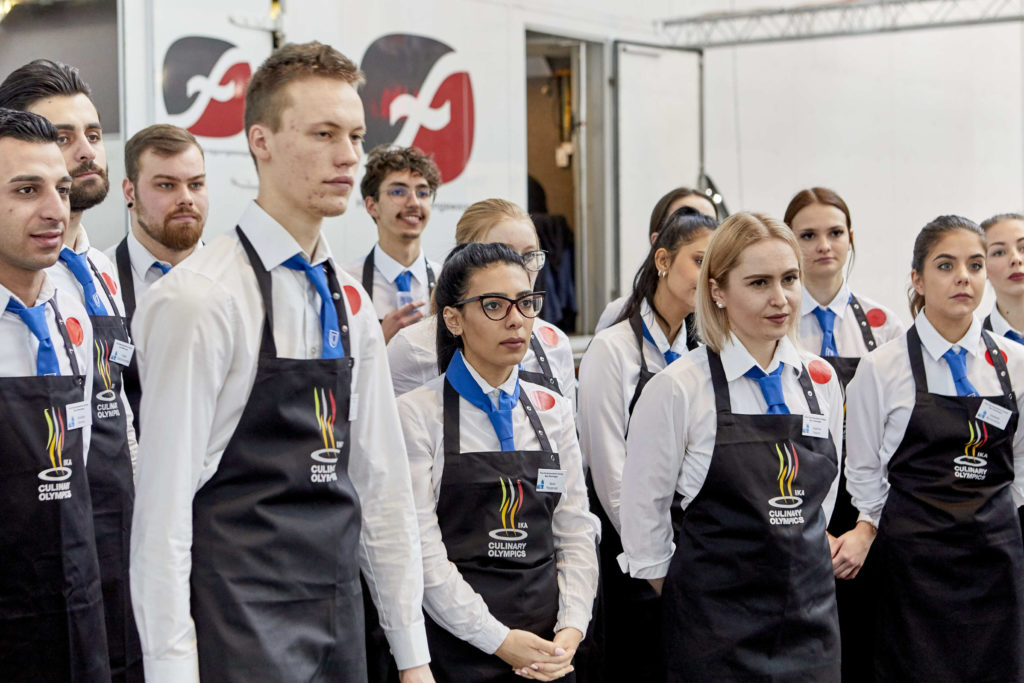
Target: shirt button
column 316, row 351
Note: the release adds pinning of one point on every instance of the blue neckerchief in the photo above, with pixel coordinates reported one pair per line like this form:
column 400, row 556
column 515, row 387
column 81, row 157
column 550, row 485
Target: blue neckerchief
column 79, row 267
column 332, row 347
column 771, row 388
column 35, row 318
column 467, row 387
column 957, row 363
column 670, row 355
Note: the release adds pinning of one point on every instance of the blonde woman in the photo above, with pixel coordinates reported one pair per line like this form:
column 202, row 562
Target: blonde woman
column 747, row 588
column 412, row 354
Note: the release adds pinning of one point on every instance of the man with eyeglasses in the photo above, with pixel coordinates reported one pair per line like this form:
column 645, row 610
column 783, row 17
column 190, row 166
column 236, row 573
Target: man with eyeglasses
column 398, row 191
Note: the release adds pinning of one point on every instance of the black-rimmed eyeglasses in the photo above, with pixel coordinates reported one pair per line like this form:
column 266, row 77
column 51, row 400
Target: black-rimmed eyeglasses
column 497, row 307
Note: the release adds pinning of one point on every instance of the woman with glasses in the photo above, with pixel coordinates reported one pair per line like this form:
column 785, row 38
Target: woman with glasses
column 548, row 360
column 746, row 429
column 655, row 329
column 841, row 327
column 936, row 465
column 510, row 565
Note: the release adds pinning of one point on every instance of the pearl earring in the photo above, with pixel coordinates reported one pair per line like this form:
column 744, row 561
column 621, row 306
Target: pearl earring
column 720, row 304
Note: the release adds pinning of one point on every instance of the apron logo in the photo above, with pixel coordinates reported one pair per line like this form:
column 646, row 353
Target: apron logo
column 972, row 464
column 787, row 504
column 509, row 540
column 59, row 471
column 326, row 412
column 103, row 370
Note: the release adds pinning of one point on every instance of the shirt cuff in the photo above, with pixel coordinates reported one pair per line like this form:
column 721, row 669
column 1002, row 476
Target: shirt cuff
column 409, row 646
column 491, row 636
column 573, row 618
column 870, row 519
column 645, row 570
column 180, row 670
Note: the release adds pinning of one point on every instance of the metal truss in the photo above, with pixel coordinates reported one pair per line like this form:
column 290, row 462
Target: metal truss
column 842, row 18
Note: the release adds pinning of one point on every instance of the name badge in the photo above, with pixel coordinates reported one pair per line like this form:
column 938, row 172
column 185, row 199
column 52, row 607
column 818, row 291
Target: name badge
column 551, row 481
column 816, row 426
column 79, row 415
column 403, row 299
column 997, row 416
column 122, row 353
column 353, row 407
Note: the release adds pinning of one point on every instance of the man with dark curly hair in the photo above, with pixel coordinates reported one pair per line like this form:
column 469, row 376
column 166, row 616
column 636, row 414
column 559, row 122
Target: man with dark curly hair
column 398, row 190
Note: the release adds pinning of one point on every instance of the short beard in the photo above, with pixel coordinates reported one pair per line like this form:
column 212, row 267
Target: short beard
column 85, row 197
column 174, row 239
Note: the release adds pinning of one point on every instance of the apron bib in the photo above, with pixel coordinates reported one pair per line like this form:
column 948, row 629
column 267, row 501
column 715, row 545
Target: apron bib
column 750, row 594
column 112, row 489
column 496, row 528
column 129, row 374
column 51, row 604
column 275, row 568
column 949, row 549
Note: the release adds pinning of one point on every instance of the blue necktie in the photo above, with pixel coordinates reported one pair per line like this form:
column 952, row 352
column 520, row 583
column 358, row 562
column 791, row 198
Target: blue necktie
column 35, row 318
column 79, row 267
column 827, row 321
column 332, row 347
column 404, row 281
column 1010, row 334
column 771, row 388
column 670, row 355
column 958, row 366
column 467, row 387
column 163, row 269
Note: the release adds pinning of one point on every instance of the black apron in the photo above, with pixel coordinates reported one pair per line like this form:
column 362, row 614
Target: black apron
column 129, row 374
column 545, row 377
column 987, row 325
column 631, row 618
column 51, row 604
column 275, row 532
column 496, row 529
column 112, row 489
column 951, row 606
column 368, row 275
column 749, row 594
column 854, row 597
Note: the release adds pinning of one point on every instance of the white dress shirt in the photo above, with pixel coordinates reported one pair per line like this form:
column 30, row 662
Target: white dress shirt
column 385, row 270
column 885, row 326
column 64, row 280
column 609, row 374
column 412, row 356
column 447, row 598
column 999, row 324
column 880, row 400
column 144, row 272
column 198, row 337
column 672, row 438
column 21, row 346
column 611, row 313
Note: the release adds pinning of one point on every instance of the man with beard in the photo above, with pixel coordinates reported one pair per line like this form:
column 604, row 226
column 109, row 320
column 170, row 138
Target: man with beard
column 57, row 92
column 165, row 192
column 398, row 190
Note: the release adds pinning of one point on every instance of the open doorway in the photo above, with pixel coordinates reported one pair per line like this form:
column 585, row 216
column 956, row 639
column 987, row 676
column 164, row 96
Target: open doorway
column 565, row 160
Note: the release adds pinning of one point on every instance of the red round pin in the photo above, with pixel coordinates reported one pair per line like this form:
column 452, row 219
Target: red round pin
column 355, row 302
column 75, row 333
column 543, row 399
column 988, row 357
column 548, row 336
column 111, row 283
column 876, row 317
column 821, row 372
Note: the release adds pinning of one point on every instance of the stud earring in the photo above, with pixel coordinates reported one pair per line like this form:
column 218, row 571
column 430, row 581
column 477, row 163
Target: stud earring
column 720, row 304
column 131, row 204
column 661, row 273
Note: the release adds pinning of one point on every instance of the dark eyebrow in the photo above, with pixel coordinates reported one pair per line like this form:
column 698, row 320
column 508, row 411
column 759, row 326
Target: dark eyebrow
column 71, row 126
column 201, row 176
column 26, row 179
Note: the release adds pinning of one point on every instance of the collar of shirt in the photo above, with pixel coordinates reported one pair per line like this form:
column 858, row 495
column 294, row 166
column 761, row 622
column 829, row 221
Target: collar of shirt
column 141, row 258
column 999, row 324
column 736, row 360
column 840, row 302
column 936, row 345
column 46, row 293
column 81, row 245
column 390, row 268
column 508, row 386
column 275, row 245
column 660, row 340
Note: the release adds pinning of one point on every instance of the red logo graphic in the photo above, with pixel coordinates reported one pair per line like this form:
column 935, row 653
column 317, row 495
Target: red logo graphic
column 355, row 302
column 111, row 283
column 547, row 335
column 75, row 332
column 820, row 371
column 876, row 317
column 543, row 399
column 204, row 80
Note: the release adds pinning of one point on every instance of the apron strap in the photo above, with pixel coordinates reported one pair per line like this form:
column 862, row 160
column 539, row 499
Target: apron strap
column 545, row 375
column 68, row 346
column 451, row 440
column 986, row 324
column 723, row 401
column 999, row 364
column 368, row 274
column 636, row 325
column 110, row 297
column 809, row 393
column 431, row 280
column 692, row 340
column 267, row 345
column 124, row 274
column 862, row 322
column 339, row 306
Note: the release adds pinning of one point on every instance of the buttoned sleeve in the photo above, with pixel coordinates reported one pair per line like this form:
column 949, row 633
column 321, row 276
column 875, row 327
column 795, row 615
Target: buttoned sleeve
column 176, row 419
column 866, row 417
column 602, row 419
column 390, row 553
column 448, row 598
column 655, row 447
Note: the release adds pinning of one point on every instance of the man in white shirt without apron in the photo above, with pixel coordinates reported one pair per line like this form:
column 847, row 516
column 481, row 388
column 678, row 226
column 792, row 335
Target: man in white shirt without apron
column 275, row 469
column 165, row 192
column 398, row 189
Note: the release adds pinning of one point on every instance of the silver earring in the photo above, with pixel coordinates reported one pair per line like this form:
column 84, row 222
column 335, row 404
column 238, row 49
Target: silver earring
column 720, row 304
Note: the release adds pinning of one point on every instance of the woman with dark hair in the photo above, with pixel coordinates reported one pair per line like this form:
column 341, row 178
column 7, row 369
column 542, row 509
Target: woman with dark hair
column 936, row 465
column 841, row 327
column 509, row 554
column 1004, row 235
column 670, row 202
column 655, row 328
